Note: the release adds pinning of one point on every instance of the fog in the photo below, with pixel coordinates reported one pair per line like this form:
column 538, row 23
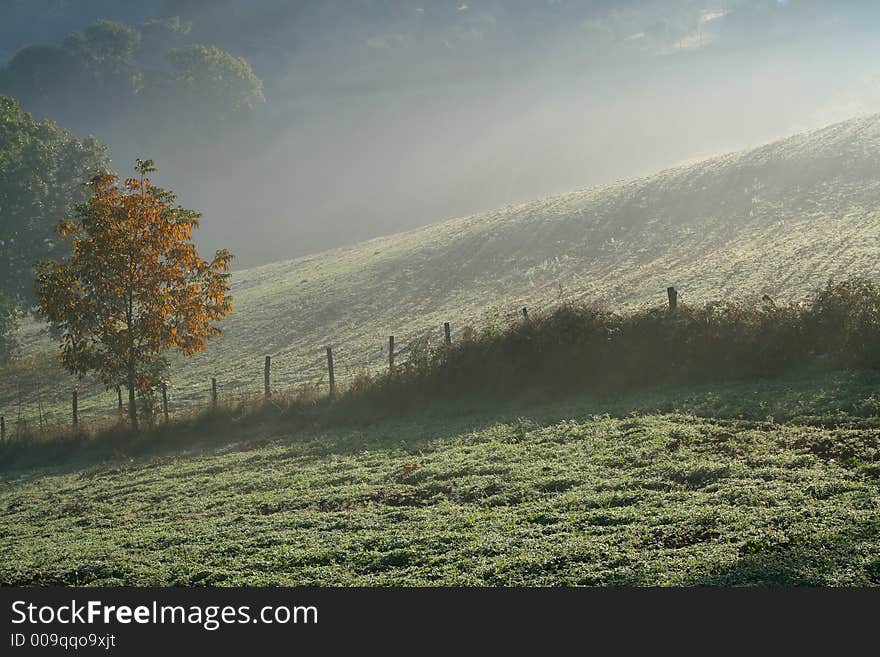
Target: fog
column 347, row 148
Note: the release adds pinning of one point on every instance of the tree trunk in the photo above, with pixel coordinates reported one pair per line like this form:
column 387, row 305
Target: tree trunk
column 132, row 402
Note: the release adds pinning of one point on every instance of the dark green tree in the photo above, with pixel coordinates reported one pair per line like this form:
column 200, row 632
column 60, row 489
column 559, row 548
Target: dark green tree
column 158, row 36
column 43, row 78
column 108, row 53
column 212, row 85
column 109, row 74
column 42, row 168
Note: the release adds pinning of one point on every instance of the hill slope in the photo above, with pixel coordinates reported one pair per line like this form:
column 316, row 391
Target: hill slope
column 779, row 219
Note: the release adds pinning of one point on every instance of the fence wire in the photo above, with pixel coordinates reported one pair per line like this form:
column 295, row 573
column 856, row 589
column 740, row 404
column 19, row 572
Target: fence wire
column 34, row 410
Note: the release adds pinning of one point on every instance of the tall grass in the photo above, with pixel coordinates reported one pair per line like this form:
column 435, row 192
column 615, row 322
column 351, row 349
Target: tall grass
column 587, row 346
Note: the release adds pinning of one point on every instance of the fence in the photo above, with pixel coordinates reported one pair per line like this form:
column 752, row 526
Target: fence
column 22, row 422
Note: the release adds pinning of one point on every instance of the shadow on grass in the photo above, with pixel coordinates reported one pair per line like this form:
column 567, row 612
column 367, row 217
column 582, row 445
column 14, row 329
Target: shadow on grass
column 803, row 565
column 815, row 396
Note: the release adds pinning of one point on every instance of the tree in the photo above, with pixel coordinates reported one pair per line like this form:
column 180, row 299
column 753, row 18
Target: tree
column 108, row 52
column 42, row 168
column 78, row 81
column 105, row 76
column 158, row 36
column 208, row 82
column 134, row 287
column 43, row 78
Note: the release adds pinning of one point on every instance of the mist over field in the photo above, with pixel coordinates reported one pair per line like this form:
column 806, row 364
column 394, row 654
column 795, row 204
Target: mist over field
column 385, row 116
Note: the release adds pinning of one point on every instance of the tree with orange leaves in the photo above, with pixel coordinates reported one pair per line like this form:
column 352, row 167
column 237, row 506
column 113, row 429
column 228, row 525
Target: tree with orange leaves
column 134, row 286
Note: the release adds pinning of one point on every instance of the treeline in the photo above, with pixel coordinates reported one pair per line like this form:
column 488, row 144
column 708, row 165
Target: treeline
column 131, row 79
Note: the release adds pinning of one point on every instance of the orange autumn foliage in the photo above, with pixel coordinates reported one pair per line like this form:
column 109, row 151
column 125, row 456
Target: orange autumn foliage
column 134, row 286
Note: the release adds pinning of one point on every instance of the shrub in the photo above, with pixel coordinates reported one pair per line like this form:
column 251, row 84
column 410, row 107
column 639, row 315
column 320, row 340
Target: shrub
column 843, row 321
column 586, row 346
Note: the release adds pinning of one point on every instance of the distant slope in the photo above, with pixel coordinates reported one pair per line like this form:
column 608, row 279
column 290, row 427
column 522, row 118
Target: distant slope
column 779, row 219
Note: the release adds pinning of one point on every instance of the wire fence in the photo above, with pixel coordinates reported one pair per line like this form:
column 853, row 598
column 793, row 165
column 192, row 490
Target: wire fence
column 37, row 411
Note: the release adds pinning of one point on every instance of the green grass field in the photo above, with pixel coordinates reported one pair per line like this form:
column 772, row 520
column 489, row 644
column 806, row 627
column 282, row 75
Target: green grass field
column 772, row 483
column 780, row 220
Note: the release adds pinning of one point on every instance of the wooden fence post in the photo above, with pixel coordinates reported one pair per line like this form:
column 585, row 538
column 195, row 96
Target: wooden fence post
column 446, row 330
column 330, row 370
column 390, row 354
column 2, row 428
column 165, row 401
column 672, row 293
column 525, row 313
column 75, row 408
column 214, row 393
column 119, row 400
column 266, row 373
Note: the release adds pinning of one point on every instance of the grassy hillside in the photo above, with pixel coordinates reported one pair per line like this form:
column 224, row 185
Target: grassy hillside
column 780, row 220
column 770, row 483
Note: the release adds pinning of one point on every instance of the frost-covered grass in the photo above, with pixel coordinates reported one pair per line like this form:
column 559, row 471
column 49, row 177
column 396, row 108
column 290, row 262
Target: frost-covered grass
column 754, row 483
